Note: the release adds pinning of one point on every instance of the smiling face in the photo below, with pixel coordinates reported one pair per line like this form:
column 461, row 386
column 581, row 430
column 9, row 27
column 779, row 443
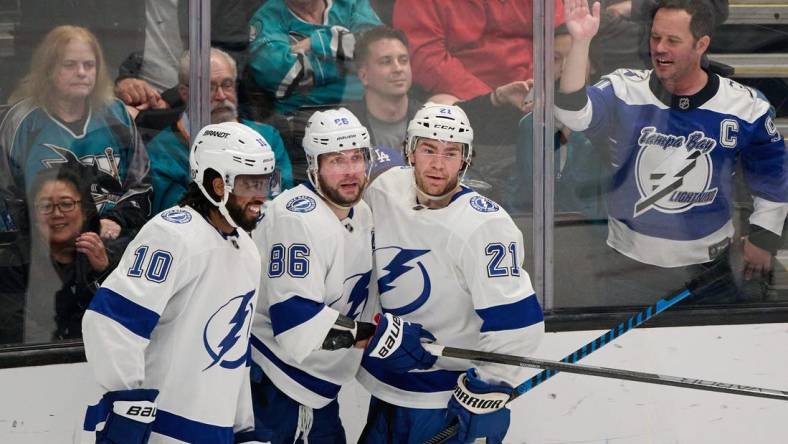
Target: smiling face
column 343, row 175
column 74, row 75
column 675, row 53
column 59, row 215
column 437, row 166
column 386, row 71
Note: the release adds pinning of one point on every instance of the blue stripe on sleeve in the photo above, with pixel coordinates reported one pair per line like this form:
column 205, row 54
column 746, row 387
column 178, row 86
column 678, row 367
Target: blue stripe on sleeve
column 319, row 386
column 519, row 314
column 292, row 312
column 187, row 430
column 136, row 318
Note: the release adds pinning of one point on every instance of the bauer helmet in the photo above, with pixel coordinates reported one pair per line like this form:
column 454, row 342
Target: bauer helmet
column 333, row 131
column 230, row 149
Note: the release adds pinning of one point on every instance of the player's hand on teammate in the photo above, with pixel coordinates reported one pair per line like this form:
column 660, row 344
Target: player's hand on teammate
column 581, row 22
column 480, row 409
column 757, row 261
column 398, row 344
column 131, row 417
column 302, row 47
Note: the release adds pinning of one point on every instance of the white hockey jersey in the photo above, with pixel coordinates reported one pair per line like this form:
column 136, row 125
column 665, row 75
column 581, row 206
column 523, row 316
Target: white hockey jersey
column 674, row 158
column 458, row 272
column 315, row 267
column 176, row 316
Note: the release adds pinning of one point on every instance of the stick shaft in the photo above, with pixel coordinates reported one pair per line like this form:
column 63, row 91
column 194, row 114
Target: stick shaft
column 607, row 372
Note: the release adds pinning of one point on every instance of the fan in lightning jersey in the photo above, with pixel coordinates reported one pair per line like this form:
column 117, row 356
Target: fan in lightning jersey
column 316, row 241
column 676, row 134
column 167, row 335
column 451, row 260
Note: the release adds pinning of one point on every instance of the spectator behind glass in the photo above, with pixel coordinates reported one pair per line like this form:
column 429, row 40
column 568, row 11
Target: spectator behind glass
column 301, row 54
column 466, row 48
column 64, row 112
column 676, row 135
column 169, row 150
column 383, row 61
column 68, row 260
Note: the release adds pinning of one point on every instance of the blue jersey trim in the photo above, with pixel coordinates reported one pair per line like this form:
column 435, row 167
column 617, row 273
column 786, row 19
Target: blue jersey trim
column 463, row 190
column 292, row 312
column 184, row 429
column 520, row 314
column 424, row 382
column 136, row 318
column 316, row 385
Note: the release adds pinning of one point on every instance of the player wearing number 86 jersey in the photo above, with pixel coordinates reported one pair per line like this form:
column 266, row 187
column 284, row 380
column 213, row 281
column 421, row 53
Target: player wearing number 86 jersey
column 316, row 243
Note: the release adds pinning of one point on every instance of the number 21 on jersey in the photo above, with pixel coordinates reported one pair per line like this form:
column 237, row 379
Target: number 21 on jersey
column 497, row 265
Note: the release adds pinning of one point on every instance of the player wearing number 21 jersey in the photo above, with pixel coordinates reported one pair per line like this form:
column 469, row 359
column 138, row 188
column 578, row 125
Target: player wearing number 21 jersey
column 451, row 260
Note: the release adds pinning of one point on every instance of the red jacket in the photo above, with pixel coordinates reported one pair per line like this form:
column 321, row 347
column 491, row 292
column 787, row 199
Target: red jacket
column 467, row 47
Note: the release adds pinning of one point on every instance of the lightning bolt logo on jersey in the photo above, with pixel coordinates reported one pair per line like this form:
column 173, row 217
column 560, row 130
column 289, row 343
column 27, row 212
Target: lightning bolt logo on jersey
column 403, row 269
column 674, row 173
column 225, row 327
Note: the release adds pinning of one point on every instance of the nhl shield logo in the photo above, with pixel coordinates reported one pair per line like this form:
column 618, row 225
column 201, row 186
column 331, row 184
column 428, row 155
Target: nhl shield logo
column 684, row 103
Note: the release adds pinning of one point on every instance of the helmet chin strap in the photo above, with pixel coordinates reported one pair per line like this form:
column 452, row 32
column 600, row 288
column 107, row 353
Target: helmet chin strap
column 431, row 197
column 222, row 206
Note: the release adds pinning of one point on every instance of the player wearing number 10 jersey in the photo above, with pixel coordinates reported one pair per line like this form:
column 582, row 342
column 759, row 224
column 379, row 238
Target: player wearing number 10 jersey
column 167, row 335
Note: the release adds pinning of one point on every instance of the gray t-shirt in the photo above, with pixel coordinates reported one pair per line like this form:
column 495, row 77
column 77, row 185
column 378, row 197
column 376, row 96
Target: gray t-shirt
column 388, row 134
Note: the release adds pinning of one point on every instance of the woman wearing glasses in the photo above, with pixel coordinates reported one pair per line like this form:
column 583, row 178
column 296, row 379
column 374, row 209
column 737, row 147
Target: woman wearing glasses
column 68, row 259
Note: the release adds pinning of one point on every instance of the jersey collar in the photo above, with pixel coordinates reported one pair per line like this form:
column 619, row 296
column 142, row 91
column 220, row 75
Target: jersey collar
column 685, row 103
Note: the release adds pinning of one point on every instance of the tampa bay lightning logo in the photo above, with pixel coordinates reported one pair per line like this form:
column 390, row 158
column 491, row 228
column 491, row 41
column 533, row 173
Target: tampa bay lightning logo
column 359, row 294
column 301, row 204
column 177, row 216
column 484, row 205
column 397, row 273
column 224, row 329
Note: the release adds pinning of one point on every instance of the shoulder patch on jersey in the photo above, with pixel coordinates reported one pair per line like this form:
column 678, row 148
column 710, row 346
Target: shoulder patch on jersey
column 484, row 205
column 177, row 216
column 301, row 204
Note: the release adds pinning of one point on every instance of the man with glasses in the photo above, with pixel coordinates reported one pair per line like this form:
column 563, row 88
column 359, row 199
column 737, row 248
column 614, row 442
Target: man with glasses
column 167, row 335
column 169, row 150
column 316, row 244
column 450, row 260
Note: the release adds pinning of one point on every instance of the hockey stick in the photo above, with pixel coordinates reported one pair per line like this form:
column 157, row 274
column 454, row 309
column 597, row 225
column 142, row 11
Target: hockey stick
column 607, row 372
column 713, row 274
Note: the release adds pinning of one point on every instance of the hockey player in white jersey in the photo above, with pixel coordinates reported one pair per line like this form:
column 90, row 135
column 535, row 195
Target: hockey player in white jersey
column 676, row 135
column 167, row 335
column 309, row 328
column 449, row 259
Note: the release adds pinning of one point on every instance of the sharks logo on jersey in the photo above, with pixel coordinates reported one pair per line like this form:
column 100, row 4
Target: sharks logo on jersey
column 673, row 172
column 405, row 271
column 225, row 328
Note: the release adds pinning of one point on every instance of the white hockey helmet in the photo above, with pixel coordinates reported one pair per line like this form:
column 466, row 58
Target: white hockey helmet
column 446, row 123
column 231, row 149
column 333, row 131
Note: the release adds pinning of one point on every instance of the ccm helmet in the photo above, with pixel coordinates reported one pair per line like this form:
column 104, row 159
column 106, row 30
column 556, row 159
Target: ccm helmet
column 446, row 123
column 231, row 149
column 333, row 131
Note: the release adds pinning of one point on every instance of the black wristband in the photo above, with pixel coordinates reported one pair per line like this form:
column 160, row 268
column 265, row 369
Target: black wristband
column 764, row 239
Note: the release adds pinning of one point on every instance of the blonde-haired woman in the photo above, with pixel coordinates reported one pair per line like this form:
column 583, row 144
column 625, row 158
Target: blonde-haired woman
column 63, row 110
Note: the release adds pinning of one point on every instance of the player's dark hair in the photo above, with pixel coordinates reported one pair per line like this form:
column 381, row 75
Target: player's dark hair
column 194, row 198
column 700, row 11
column 361, row 51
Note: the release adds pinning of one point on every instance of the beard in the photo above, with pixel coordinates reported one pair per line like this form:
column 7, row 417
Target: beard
column 334, row 195
column 239, row 216
column 224, row 111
